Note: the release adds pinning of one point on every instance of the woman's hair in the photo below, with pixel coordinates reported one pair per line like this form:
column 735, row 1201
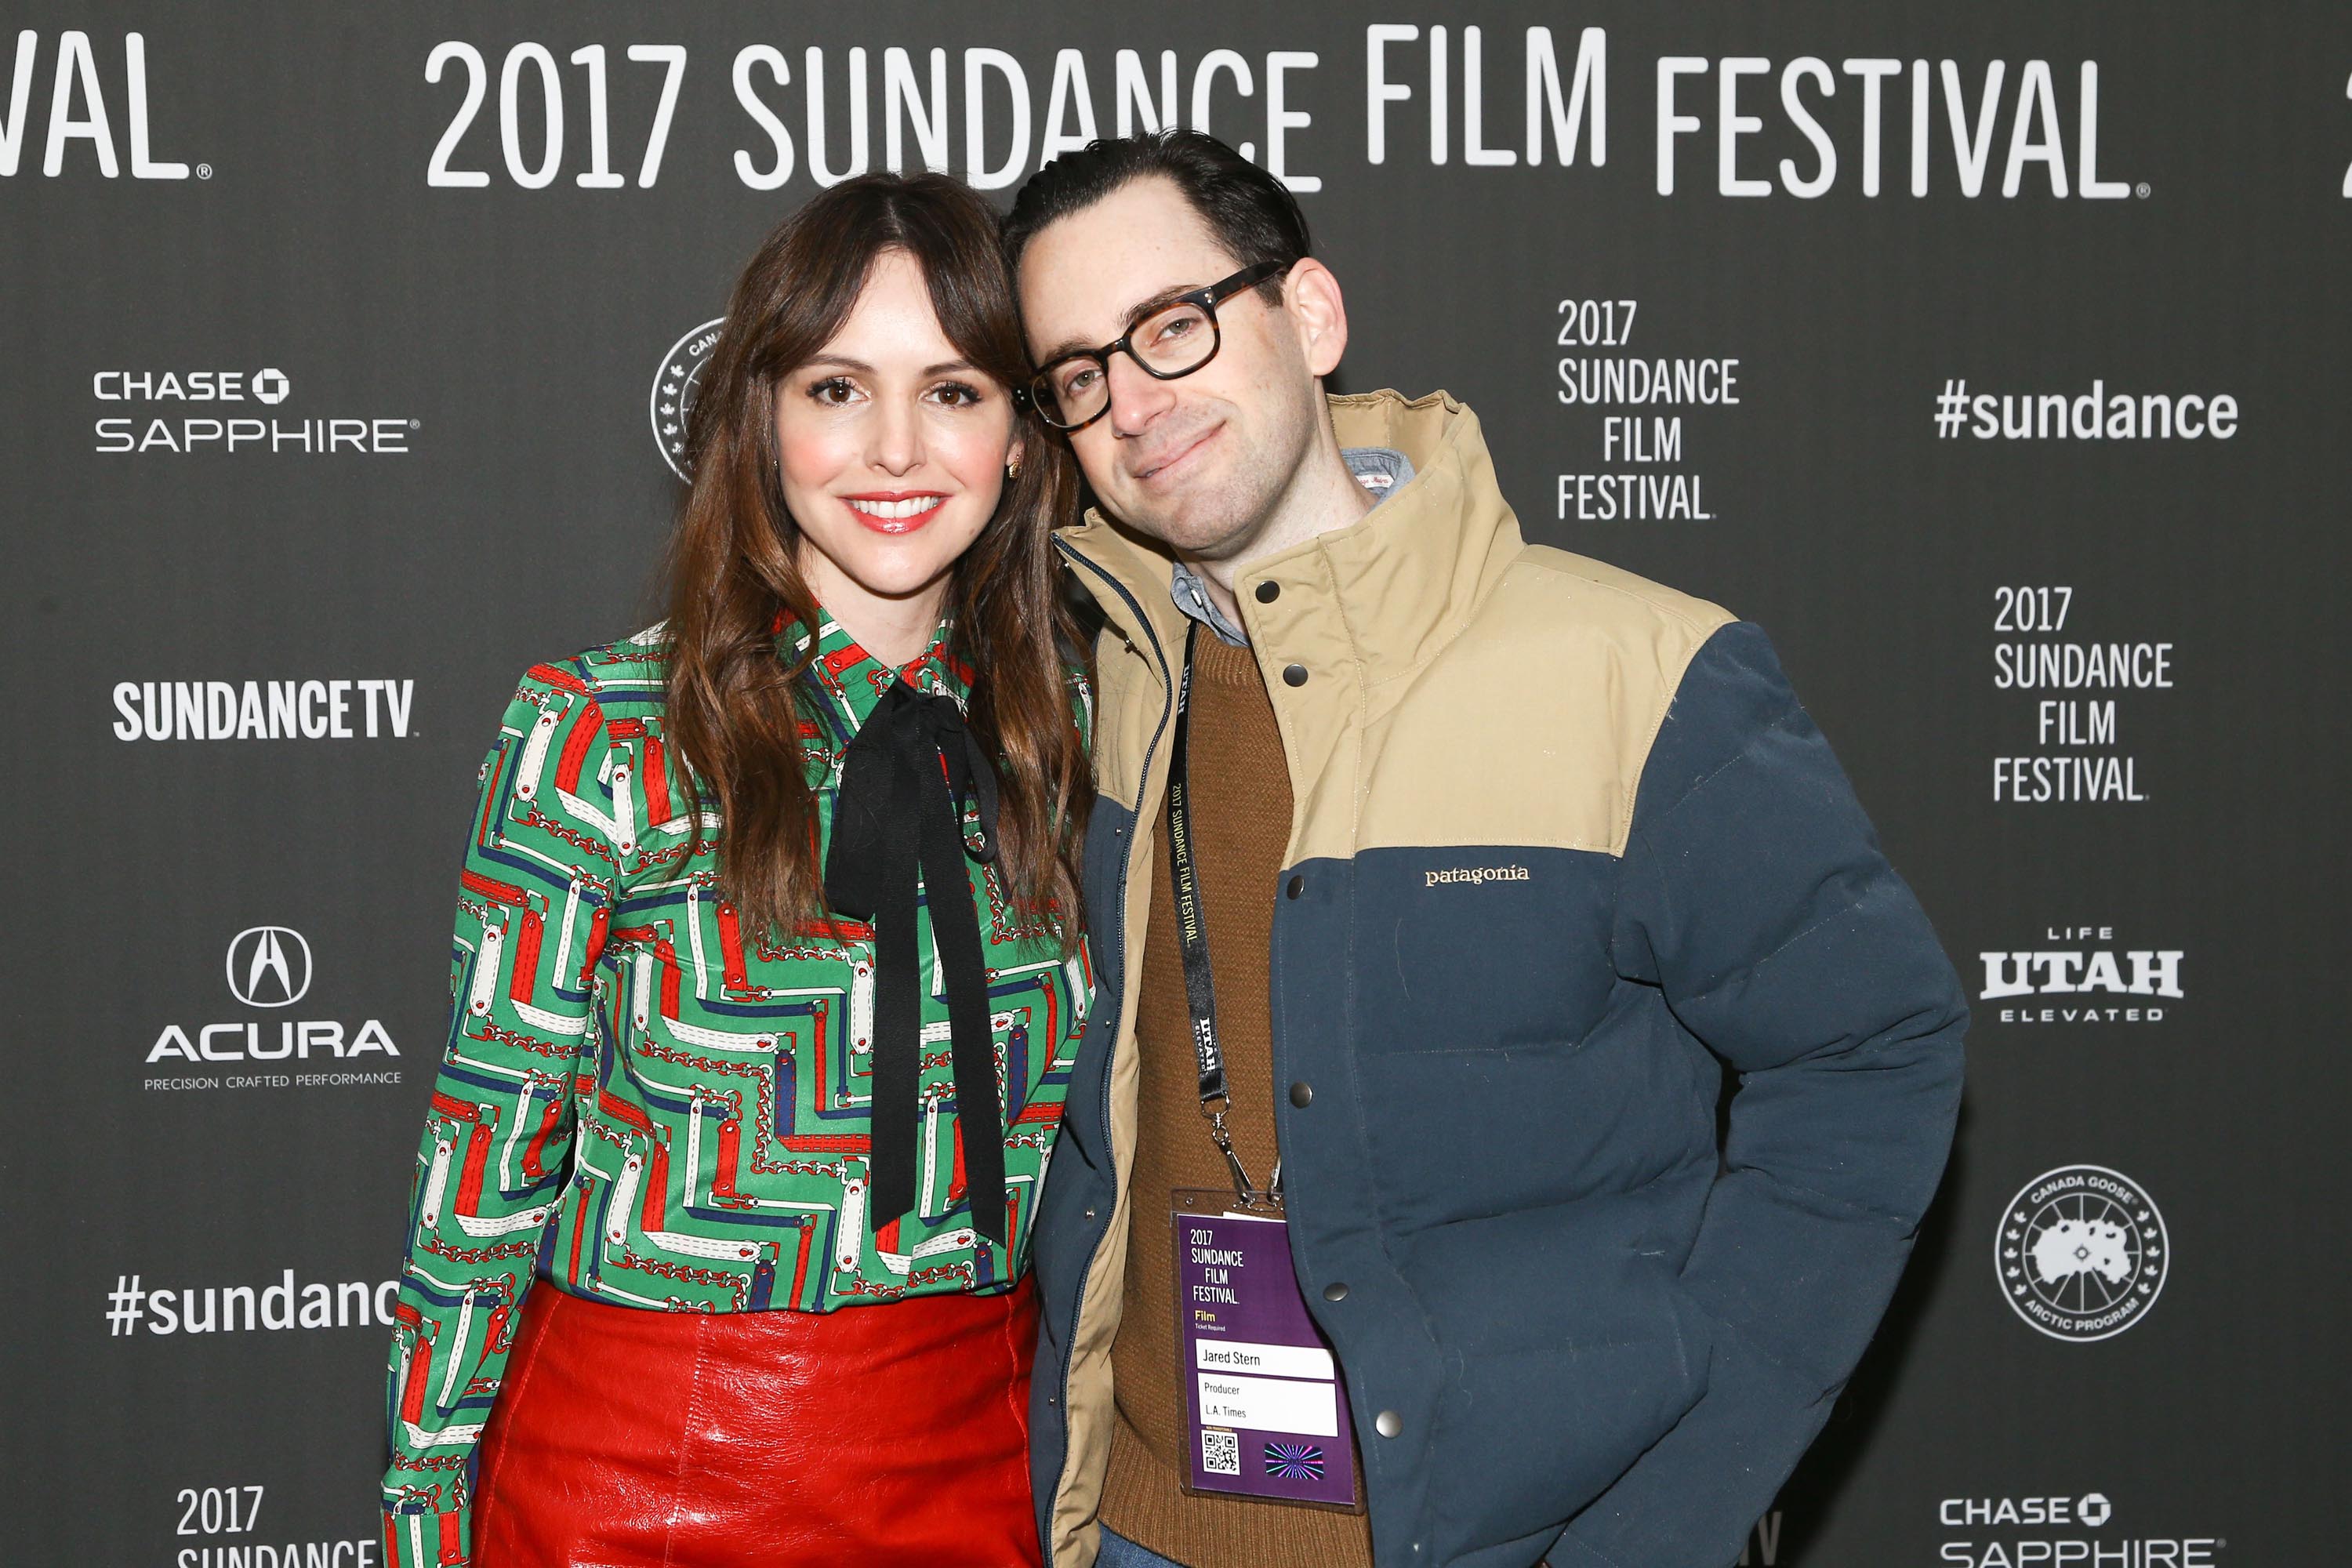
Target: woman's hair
column 735, row 691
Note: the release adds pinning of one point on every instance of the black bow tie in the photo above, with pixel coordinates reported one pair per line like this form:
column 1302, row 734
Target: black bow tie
column 905, row 781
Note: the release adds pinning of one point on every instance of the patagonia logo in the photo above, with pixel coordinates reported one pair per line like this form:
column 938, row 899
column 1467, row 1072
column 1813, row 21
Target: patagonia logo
column 1477, row 874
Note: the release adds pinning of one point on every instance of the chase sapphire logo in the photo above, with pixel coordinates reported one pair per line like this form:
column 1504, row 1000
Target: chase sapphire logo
column 1295, row 1461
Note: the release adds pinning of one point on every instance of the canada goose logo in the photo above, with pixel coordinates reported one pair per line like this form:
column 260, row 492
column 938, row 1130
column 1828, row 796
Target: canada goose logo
column 2081, row 1252
column 675, row 386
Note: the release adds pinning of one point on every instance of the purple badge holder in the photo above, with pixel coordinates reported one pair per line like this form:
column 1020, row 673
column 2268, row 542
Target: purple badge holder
column 1265, row 1413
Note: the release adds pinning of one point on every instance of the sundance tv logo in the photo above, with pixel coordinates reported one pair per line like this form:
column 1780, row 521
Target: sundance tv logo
column 676, row 386
column 184, row 411
column 2081, row 1252
column 268, row 968
column 263, row 710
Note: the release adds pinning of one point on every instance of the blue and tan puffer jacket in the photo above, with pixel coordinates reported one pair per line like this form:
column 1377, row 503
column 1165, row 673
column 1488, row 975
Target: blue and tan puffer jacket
column 1564, row 843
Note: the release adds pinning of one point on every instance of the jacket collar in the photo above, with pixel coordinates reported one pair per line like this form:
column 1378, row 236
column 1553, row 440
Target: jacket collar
column 1405, row 577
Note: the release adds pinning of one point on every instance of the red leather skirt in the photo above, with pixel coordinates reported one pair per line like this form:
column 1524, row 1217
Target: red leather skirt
column 882, row 1434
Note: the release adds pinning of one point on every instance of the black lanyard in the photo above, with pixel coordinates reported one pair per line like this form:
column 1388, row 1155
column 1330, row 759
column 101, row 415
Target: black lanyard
column 1193, row 938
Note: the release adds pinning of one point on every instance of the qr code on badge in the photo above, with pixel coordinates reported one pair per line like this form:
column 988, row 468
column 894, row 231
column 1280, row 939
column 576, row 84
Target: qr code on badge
column 1221, row 1452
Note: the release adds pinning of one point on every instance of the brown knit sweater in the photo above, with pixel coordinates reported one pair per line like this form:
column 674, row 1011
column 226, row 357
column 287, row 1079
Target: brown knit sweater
column 1240, row 808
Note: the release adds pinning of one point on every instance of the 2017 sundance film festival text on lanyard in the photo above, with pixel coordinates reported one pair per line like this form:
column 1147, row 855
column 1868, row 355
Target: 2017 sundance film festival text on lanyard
column 1265, row 1413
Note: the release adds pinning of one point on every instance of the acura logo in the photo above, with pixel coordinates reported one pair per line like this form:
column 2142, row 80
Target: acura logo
column 269, row 966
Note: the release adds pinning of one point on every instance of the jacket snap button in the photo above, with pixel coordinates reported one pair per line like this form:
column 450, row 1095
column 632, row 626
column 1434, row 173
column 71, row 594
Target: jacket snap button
column 1294, row 674
column 1300, row 1093
column 1268, row 591
column 1388, row 1424
column 1297, row 886
column 1090, row 1214
column 1338, row 1291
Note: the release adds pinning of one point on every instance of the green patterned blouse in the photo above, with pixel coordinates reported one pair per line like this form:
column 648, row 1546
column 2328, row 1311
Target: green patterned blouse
column 644, row 1102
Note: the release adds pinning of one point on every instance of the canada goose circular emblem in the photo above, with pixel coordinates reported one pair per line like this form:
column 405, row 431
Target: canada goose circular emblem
column 2081, row 1252
column 675, row 385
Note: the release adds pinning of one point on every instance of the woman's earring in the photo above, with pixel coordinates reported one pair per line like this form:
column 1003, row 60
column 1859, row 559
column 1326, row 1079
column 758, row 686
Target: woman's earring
column 1013, row 470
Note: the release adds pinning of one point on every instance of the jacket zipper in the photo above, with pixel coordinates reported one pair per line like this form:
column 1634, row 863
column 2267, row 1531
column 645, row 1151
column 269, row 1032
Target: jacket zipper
column 1167, row 682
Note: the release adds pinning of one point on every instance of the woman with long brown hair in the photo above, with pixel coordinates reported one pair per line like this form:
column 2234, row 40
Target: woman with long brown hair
column 768, row 974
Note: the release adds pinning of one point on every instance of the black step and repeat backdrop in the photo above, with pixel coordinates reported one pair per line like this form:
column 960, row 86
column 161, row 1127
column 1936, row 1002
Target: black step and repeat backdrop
column 1991, row 355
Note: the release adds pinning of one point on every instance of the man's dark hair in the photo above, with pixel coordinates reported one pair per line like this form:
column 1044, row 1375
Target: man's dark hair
column 1251, row 213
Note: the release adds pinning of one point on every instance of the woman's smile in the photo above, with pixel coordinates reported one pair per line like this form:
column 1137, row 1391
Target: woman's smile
column 895, row 512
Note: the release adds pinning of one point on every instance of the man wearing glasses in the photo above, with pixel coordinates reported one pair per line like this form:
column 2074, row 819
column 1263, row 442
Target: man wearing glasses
column 1436, row 880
